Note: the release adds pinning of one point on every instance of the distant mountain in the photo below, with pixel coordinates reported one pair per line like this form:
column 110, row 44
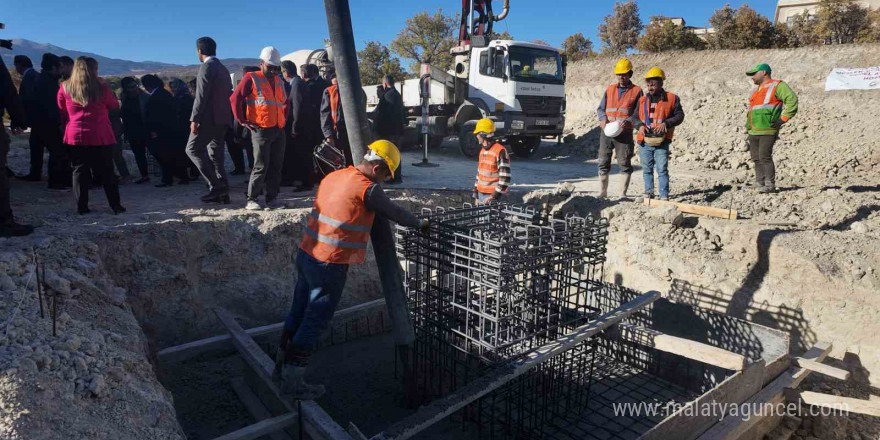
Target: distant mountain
column 112, row 66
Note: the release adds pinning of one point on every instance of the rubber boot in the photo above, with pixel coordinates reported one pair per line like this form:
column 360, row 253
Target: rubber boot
column 295, row 385
column 625, row 185
column 603, row 181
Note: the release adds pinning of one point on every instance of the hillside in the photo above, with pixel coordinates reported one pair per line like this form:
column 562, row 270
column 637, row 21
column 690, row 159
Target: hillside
column 113, row 66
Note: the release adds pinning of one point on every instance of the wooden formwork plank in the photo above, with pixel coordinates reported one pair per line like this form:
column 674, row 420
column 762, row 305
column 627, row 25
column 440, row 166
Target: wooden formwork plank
column 189, row 350
column 818, row 367
column 729, row 214
column 731, row 428
column 687, row 348
column 837, row 403
column 317, row 423
column 261, row 428
column 442, row 408
column 254, row 406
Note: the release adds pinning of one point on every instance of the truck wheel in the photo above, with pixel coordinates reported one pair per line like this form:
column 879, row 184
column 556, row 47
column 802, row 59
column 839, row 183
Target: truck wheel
column 467, row 142
column 524, row 147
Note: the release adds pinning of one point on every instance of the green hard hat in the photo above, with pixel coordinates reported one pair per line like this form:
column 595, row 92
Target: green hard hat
column 763, row 66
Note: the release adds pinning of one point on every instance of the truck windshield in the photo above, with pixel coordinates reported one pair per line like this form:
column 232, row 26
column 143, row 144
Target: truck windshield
column 535, row 65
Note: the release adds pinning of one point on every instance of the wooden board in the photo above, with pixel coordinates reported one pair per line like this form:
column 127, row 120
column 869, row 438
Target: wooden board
column 317, row 423
column 697, row 351
column 256, row 408
column 441, row 408
column 818, row 367
column 837, row 403
column 189, row 350
column 729, row 214
column 732, row 428
column 260, row 429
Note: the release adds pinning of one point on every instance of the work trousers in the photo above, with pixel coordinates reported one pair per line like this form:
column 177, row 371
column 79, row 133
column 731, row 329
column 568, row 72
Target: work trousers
column 622, row 146
column 269, row 144
column 139, row 148
column 50, row 138
column 761, row 150
column 206, row 151
column 87, row 158
column 318, row 289
column 655, row 157
column 171, row 157
column 5, row 208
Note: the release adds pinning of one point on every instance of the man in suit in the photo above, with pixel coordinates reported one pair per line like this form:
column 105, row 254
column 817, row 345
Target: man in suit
column 25, row 67
column 9, row 103
column 389, row 117
column 308, row 124
column 160, row 119
column 210, row 120
column 295, row 86
column 46, row 129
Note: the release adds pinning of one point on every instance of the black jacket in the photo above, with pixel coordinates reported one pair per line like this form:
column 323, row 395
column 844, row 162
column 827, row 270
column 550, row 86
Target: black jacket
column 296, row 90
column 26, row 93
column 308, row 118
column 9, row 101
column 133, row 111
column 389, row 114
column 44, row 99
column 161, row 114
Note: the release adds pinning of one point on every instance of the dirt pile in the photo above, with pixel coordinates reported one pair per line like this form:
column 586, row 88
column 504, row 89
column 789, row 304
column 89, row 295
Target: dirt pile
column 833, row 136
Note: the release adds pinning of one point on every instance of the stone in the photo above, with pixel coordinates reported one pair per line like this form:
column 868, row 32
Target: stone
column 56, row 283
column 858, row 228
column 27, row 364
column 98, row 385
column 6, row 283
column 678, row 221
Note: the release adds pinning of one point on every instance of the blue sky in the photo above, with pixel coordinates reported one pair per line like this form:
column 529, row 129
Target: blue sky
column 166, row 30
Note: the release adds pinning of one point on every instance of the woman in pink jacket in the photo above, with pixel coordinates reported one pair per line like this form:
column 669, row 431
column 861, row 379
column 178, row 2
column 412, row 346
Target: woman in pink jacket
column 84, row 101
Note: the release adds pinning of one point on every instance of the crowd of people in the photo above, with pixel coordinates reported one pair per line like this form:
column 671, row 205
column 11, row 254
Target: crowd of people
column 270, row 122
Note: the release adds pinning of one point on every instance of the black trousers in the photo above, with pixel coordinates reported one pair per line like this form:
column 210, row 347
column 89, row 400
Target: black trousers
column 139, row 148
column 51, row 138
column 171, row 157
column 87, row 158
column 761, row 150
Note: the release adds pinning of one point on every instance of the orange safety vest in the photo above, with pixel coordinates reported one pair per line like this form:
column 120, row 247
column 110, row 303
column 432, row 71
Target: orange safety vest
column 265, row 105
column 333, row 92
column 620, row 108
column 487, row 170
column 338, row 228
column 764, row 98
column 658, row 112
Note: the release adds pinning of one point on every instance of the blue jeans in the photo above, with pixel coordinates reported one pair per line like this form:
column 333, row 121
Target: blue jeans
column 659, row 157
column 318, row 290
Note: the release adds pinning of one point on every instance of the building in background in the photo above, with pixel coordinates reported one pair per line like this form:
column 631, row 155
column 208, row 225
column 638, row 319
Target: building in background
column 702, row 32
column 787, row 9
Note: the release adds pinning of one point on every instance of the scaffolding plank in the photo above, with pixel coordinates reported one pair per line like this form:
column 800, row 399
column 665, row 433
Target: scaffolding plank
column 317, row 423
column 261, row 428
column 442, row 408
column 192, row 349
column 818, row 367
column 729, row 214
column 687, row 348
column 254, row 406
column 731, row 428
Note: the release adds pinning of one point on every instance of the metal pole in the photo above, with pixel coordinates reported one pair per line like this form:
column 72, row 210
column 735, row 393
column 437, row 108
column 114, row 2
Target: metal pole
column 348, row 77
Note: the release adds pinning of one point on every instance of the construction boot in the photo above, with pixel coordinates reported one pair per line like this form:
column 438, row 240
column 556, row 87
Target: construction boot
column 295, row 385
column 625, row 185
column 603, row 181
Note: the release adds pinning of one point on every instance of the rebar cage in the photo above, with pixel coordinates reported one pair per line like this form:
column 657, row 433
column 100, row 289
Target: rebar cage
column 495, row 281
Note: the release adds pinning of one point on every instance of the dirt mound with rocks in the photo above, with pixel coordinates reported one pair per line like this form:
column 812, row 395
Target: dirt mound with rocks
column 833, row 136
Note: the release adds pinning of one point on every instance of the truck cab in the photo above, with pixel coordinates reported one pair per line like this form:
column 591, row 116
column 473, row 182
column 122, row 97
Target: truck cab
column 521, row 86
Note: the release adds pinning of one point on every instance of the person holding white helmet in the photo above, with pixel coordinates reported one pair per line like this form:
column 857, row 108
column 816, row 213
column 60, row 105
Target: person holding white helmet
column 260, row 103
column 616, row 132
column 493, row 169
column 336, row 235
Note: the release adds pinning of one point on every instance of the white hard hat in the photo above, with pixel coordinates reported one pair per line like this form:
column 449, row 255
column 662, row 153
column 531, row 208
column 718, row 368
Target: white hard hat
column 270, row 56
column 613, row 129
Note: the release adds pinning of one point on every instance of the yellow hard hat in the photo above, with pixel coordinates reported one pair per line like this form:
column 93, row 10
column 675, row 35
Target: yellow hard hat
column 623, row 66
column 485, row 125
column 655, row 72
column 388, row 152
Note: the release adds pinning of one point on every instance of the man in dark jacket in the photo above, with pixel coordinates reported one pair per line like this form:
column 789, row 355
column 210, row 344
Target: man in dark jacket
column 295, row 87
column 9, row 103
column 389, row 117
column 134, row 103
column 25, row 67
column 161, row 124
column 46, row 125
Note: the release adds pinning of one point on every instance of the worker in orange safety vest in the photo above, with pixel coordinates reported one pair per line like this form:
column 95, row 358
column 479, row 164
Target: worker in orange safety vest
column 615, row 130
column 493, row 168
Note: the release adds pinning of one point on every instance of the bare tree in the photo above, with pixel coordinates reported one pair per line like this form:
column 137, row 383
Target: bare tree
column 620, row 30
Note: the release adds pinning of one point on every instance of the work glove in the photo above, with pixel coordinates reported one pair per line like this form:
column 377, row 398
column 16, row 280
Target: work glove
column 777, row 124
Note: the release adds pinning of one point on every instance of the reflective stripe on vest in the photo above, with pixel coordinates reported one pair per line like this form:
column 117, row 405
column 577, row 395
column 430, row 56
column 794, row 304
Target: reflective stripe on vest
column 652, row 114
column 619, row 108
column 333, row 93
column 338, row 228
column 488, row 170
column 265, row 105
column 770, row 101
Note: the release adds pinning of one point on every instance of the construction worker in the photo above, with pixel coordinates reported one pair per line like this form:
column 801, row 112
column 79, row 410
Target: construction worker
column 336, row 236
column 658, row 113
column 259, row 103
column 771, row 105
column 493, row 169
column 618, row 105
